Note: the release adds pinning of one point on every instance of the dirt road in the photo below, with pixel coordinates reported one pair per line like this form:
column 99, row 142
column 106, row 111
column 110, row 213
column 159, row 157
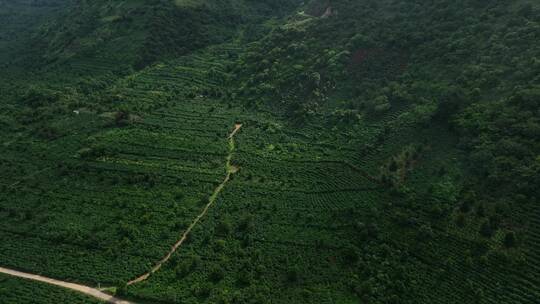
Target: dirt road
column 93, row 292
column 98, row 294
column 230, row 170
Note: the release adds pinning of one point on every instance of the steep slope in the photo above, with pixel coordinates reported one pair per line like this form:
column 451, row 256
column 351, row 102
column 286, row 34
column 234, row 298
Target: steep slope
column 97, row 36
column 471, row 67
column 19, row 20
column 449, row 63
column 389, row 150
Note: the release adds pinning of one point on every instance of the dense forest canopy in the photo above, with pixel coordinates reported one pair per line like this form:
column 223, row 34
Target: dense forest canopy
column 382, row 152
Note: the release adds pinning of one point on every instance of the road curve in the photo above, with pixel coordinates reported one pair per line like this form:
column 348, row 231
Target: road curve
column 98, row 294
column 90, row 291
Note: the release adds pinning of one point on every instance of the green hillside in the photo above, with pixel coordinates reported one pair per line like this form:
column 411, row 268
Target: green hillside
column 329, row 151
column 90, row 37
column 21, row 291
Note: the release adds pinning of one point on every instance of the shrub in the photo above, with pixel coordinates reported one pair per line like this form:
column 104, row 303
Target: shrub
column 217, row 274
column 224, row 227
column 293, row 275
column 351, row 254
column 486, row 230
column 510, row 239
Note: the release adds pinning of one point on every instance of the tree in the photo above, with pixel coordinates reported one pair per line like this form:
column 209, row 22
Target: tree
column 526, row 10
column 244, row 278
column 183, row 268
column 224, row 227
column 293, row 275
column 393, row 165
column 351, row 254
column 460, row 220
column 246, row 223
column 217, row 274
column 121, row 118
column 480, row 210
column 486, row 230
column 378, row 105
column 122, row 290
column 425, row 233
column 510, row 239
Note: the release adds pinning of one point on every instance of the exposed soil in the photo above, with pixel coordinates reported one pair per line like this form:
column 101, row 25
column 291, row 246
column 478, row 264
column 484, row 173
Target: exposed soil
column 230, row 170
column 90, row 291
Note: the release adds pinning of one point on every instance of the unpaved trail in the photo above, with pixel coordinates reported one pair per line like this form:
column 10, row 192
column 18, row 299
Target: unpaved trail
column 97, row 293
column 230, row 170
column 236, row 129
column 90, row 291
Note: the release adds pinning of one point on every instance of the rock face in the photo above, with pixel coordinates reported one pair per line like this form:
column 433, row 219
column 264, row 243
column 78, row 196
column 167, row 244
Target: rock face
column 319, row 8
column 329, row 12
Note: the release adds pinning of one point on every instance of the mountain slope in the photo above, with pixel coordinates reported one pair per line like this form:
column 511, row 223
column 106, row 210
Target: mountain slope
column 91, row 36
column 389, row 150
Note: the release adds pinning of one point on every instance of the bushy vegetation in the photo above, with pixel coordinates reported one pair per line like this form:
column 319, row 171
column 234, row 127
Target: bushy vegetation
column 22, row 291
column 389, row 151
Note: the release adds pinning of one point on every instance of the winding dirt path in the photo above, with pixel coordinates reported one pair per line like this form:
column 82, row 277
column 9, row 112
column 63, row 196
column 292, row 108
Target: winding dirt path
column 97, row 293
column 93, row 292
column 230, row 170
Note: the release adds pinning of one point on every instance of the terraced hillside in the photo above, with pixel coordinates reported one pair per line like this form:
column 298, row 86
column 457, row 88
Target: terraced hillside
column 21, row 291
column 269, row 151
column 148, row 178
